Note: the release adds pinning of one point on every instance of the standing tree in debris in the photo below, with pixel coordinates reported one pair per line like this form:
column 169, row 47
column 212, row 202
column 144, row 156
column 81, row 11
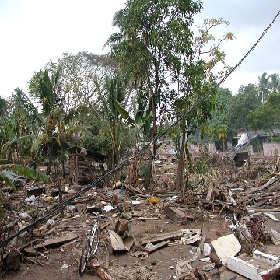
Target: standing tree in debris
column 90, row 85
column 152, row 39
column 196, row 78
column 52, row 138
column 111, row 90
column 268, row 84
column 19, row 126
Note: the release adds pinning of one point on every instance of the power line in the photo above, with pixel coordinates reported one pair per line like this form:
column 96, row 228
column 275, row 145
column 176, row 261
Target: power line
column 126, row 162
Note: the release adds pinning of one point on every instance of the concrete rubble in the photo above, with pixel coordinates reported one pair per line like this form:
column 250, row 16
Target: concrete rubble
column 226, row 225
column 226, row 246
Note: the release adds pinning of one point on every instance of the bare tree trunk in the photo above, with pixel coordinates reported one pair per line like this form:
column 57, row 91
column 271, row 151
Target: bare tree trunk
column 154, row 126
column 49, row 167
column 149, row 170
column 180, row 170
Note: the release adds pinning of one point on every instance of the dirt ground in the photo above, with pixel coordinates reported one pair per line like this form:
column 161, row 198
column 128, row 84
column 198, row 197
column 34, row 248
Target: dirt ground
column 62, row 263
column 162, row 262
column 147, row 219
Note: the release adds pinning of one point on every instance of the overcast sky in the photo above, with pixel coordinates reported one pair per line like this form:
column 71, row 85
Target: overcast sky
column 34, row 32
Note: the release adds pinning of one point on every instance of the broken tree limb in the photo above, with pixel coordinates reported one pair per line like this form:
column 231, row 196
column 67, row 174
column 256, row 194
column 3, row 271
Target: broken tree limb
column 266, row 185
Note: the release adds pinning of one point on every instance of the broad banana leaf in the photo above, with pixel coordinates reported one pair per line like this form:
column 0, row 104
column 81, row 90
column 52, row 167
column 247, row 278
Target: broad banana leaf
column 27, row 172
column 123, row 113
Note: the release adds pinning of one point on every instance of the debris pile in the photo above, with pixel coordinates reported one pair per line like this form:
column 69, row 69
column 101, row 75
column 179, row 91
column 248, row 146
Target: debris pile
column 227, row 221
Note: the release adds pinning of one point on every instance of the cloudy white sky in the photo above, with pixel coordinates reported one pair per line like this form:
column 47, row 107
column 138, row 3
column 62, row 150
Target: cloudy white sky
column 34, row 32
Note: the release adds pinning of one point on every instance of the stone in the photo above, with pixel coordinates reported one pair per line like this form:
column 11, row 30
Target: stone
column 226, row 246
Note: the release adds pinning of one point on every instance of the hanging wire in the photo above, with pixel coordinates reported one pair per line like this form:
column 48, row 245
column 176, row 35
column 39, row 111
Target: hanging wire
column 126, row 162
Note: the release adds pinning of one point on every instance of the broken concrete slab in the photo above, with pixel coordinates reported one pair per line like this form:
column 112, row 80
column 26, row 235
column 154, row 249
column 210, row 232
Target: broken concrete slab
column 253, row 269
column 266, row 258
column 226, row 246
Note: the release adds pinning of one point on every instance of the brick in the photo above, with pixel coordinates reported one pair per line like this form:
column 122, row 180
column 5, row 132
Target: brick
column 251, row 271
column 243, row 268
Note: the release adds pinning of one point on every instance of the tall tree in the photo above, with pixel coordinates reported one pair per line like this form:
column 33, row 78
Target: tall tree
column 3, row 119
column 153, row 37
column 111, row 92
column 245, row 100
column 266, row 116
column 21, row 123
column 263, row 87
column 195, row 80
column 274, row 81
column 45, row 86
column 218, row 128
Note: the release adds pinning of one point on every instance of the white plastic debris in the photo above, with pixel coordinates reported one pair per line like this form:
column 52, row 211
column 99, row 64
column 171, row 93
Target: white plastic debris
column 135, row 202
column 206, row 249
column 190, row 236
column 24, row 216
column 31, row 199
column 65, row 266
column 50, row 222
column 207, row 259
column 108, row 208
column 271, row 216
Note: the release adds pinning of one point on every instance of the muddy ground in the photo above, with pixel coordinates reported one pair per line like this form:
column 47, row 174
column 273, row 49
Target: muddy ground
column 147, row 219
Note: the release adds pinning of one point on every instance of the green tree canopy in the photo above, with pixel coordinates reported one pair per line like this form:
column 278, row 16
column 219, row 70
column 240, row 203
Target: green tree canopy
column 153, row 38
column 266, row 116
column 245, row 100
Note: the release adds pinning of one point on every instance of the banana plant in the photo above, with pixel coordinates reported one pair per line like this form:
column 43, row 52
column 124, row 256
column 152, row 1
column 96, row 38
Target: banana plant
column 21, row 170
column 142, row 123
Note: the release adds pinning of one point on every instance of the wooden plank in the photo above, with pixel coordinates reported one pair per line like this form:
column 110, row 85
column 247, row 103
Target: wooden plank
column 52, row 243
